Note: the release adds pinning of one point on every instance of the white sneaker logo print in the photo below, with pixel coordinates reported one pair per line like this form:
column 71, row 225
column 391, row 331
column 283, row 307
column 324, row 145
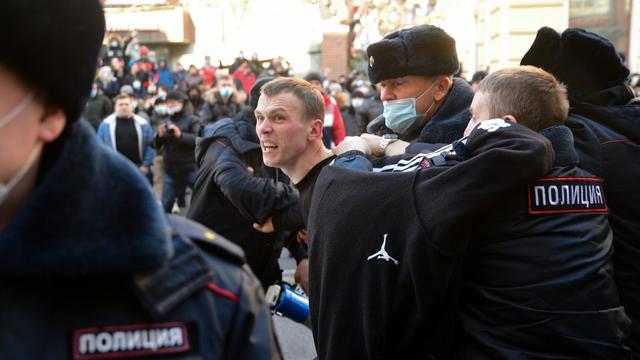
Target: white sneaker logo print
column 382, row 254
column 493, row 124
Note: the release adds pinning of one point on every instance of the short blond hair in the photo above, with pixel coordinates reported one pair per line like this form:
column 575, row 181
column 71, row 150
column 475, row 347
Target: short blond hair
column 311, row 99
column 533, row 96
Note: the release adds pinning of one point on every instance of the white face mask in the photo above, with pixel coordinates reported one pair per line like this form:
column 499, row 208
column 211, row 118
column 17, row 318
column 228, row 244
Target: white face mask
column 174, row 110
column 6, row 188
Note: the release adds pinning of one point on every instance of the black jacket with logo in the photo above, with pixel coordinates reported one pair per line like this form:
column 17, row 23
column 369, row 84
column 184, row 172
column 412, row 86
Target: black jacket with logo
column 385, row 262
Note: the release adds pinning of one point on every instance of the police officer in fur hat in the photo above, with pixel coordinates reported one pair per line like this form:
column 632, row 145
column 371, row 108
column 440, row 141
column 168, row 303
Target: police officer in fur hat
column 422, row 100
column 604, row 121
column 89, row 265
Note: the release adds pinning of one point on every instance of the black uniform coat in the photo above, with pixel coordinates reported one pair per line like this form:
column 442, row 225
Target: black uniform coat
column 538, row 277
column 90, row 269
column 385, row 261
column 607, row 138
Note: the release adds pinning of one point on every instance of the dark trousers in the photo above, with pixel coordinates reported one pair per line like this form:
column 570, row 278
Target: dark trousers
column 173, row 185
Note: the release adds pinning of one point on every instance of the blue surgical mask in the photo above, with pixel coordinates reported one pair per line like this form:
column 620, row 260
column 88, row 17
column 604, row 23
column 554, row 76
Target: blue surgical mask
column 401, row 115
column 93, row 93
column 226, row 91
column 137, row 85
column 161, row 110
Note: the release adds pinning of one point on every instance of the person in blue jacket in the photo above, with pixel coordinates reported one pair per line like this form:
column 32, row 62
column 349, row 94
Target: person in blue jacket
column 128, row 134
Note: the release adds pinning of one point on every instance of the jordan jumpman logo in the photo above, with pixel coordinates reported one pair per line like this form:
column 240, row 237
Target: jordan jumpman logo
column 382, row 254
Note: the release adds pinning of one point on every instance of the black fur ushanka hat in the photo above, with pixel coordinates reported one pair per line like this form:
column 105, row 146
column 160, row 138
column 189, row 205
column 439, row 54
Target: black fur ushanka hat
column 419, row 50
column 584, row 61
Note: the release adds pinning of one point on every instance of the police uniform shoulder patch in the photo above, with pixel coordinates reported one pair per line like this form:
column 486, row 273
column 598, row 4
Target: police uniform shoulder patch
column 132, row 340
column 566, row 195
column 206, row 238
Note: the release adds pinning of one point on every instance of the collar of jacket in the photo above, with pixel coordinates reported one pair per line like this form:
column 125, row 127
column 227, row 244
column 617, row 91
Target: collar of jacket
column 92, row 213
column 562, row 140
column 448, row 123
column 615, row 95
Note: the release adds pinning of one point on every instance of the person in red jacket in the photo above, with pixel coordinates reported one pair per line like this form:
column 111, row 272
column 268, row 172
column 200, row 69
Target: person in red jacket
column 334, row 130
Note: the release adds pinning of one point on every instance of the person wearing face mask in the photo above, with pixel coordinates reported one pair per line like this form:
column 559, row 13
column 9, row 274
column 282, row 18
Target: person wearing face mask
column 90, row 266
column 98, row 106
column 366, row 106
column 221, row 102
column 422, row 100
column 114, row 50
column 176, row 138
column 196, row 100
column 159, row 116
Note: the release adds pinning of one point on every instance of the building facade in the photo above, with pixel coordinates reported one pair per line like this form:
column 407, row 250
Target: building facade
column 494, row 34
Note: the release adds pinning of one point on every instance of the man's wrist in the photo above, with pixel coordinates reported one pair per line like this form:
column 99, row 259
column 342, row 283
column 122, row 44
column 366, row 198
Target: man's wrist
column 385, row 141
column 396, row 148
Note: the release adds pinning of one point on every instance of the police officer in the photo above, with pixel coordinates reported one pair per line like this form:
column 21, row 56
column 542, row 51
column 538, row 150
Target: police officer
column 422, row 100
column 604, row 122
column 88, row 264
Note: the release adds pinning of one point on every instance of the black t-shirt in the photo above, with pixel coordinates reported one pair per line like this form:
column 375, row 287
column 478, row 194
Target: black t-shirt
column 307, row 184
column 127, row 140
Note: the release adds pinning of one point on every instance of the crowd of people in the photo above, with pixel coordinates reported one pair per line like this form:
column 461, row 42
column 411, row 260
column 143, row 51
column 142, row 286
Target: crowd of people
column 429, row 216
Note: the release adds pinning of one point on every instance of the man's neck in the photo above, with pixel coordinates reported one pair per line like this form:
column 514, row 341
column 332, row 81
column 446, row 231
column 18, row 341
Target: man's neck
column 307, row 161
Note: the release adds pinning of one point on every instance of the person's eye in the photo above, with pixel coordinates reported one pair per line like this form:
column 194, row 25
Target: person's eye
column 279, row 118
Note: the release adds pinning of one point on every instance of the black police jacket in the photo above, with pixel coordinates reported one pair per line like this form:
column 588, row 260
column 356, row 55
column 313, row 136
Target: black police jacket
column 538, row 275
column 385, row 261
column 229, row 198
column 607, row 137
column 90, row 269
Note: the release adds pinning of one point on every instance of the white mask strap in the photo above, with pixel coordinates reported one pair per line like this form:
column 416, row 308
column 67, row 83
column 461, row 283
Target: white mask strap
column 16, row 110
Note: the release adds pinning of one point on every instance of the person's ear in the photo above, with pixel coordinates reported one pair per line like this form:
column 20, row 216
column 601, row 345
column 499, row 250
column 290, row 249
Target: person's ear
column 442, row 88
column 315, row 129
column 510, row 118
column 52, row 124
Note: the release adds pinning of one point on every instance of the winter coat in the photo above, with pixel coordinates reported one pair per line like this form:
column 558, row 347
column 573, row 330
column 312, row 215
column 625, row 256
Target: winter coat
column 229, row 198
column 115, row 280
column 215, row 108
column 539, row 275
column 607, row 137
column 178, row 153
column 107, row 136
column 386, row 260
column 333, row 131
column 98, row 108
